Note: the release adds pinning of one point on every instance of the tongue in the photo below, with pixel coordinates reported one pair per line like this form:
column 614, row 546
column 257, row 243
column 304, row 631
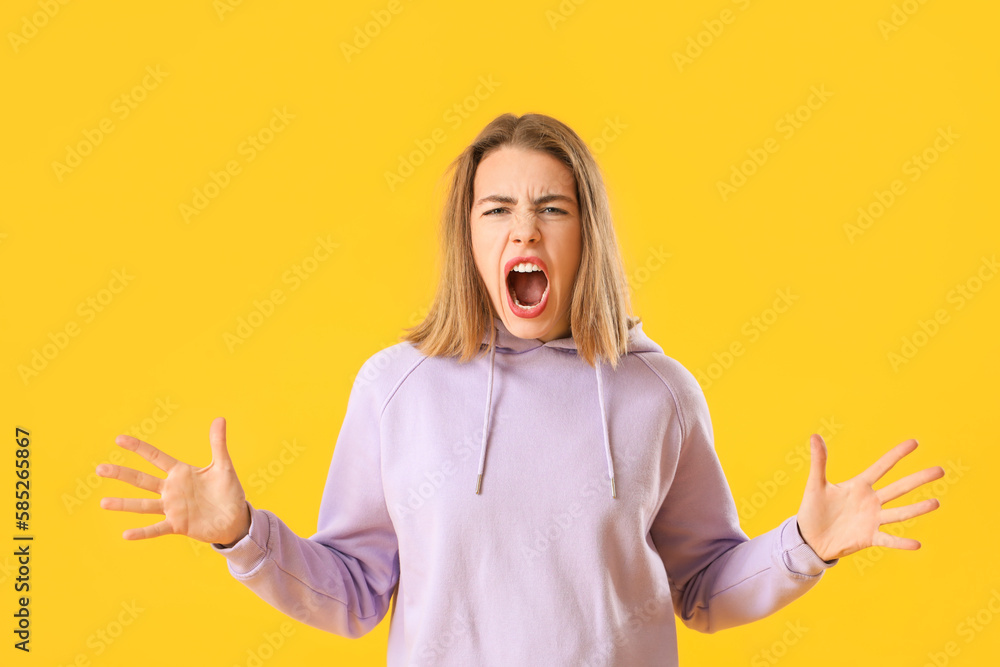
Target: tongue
column 528, row 286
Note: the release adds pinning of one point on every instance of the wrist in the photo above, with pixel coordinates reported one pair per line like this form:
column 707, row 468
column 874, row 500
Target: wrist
column 244, row 528
column 799, row 528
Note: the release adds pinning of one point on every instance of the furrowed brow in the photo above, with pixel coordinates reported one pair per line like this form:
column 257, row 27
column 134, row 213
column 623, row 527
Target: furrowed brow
column 544, row 199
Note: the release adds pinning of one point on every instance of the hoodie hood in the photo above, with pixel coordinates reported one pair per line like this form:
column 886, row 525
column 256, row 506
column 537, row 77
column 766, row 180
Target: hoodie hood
column 508, row 343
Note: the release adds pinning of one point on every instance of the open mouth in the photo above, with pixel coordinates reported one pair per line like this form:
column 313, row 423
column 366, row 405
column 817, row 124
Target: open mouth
column 527, row 286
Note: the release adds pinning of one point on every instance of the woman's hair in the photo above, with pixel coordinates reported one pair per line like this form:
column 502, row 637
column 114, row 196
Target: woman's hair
column 462, row 312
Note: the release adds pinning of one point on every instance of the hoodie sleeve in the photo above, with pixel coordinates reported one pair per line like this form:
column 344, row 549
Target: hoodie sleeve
column 340, row 579
column 719, row 578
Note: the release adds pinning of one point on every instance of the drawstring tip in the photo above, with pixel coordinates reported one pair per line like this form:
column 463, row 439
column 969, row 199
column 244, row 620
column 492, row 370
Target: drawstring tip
column 613, row 488
column 479, row 482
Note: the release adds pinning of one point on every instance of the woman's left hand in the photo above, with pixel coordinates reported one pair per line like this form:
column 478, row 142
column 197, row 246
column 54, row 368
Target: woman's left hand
column 839, row 519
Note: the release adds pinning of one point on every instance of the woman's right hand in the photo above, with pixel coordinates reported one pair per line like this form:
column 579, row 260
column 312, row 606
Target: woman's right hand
column 206, row 504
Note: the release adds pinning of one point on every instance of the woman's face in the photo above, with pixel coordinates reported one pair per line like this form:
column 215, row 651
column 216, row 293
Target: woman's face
column 524, row 210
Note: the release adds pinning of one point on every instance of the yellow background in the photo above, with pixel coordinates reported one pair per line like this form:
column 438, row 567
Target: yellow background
column 666, row 132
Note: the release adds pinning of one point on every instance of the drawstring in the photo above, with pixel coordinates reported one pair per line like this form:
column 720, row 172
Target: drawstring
column 486, row 423
column 604, row 422
column 486, row 419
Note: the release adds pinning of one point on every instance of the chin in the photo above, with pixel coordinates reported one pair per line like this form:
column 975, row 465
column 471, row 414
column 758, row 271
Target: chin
column 522, row 328
column 530, row 327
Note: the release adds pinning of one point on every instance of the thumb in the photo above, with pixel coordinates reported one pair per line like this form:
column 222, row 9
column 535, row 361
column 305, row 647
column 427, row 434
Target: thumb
column 817, row 461
column 217, row 438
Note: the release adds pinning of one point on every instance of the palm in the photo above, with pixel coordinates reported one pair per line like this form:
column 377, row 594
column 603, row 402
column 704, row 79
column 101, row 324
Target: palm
column 839, row 519
column 194, row 500
column 206, row 504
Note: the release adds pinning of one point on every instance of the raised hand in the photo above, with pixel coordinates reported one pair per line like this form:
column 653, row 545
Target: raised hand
column 206, row 504
column 840, row 519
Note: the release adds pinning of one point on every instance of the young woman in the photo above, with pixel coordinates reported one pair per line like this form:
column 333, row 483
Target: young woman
column 526, row 474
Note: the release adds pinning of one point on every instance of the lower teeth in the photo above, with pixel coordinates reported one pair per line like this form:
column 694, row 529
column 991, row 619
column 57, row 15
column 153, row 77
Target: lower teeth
column 513, row 296
column 522, row 305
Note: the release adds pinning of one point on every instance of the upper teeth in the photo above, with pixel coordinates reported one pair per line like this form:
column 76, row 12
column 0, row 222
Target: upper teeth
column 525, row 267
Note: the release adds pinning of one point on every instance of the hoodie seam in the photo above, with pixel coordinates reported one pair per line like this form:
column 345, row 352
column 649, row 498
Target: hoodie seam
column 381, row 459
column 680, row 426
column 327, row 595
column 395, row 388
column 673, row 397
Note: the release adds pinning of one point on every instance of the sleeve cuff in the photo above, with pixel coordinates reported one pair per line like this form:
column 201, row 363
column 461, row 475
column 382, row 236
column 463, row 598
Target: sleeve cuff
column 250, row 551
column 798, row 556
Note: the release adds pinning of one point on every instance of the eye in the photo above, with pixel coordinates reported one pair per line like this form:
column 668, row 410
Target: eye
column 490, row 212
column 553, row 208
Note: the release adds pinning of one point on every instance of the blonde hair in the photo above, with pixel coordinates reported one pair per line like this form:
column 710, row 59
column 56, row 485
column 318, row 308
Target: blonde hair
column 462, row 312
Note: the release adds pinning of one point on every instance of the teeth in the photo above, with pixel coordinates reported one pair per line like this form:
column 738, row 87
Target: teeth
column 524, row 306
column 525, row 267
column 514, row 297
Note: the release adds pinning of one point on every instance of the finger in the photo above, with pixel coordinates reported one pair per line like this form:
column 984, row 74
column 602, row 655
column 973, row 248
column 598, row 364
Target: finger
column 817, row 461
column 138, row 505
column 887, row 461
column 158, row 458
column 894, row 542
column 217, row 438
column 894, row 514
column 133, row 477
column 146, row 532
column 908, row 483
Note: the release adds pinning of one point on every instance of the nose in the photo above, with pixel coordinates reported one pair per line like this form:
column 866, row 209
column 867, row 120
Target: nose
column 524, row 229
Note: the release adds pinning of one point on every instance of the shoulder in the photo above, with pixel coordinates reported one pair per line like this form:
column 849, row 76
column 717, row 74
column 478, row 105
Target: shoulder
column 384, row 369
column 683, row 392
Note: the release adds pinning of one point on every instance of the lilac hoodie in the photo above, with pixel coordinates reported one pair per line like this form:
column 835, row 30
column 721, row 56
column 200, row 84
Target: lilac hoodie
column 602, row 510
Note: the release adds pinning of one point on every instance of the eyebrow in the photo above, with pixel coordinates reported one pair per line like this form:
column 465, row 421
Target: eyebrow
column 544, row 199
